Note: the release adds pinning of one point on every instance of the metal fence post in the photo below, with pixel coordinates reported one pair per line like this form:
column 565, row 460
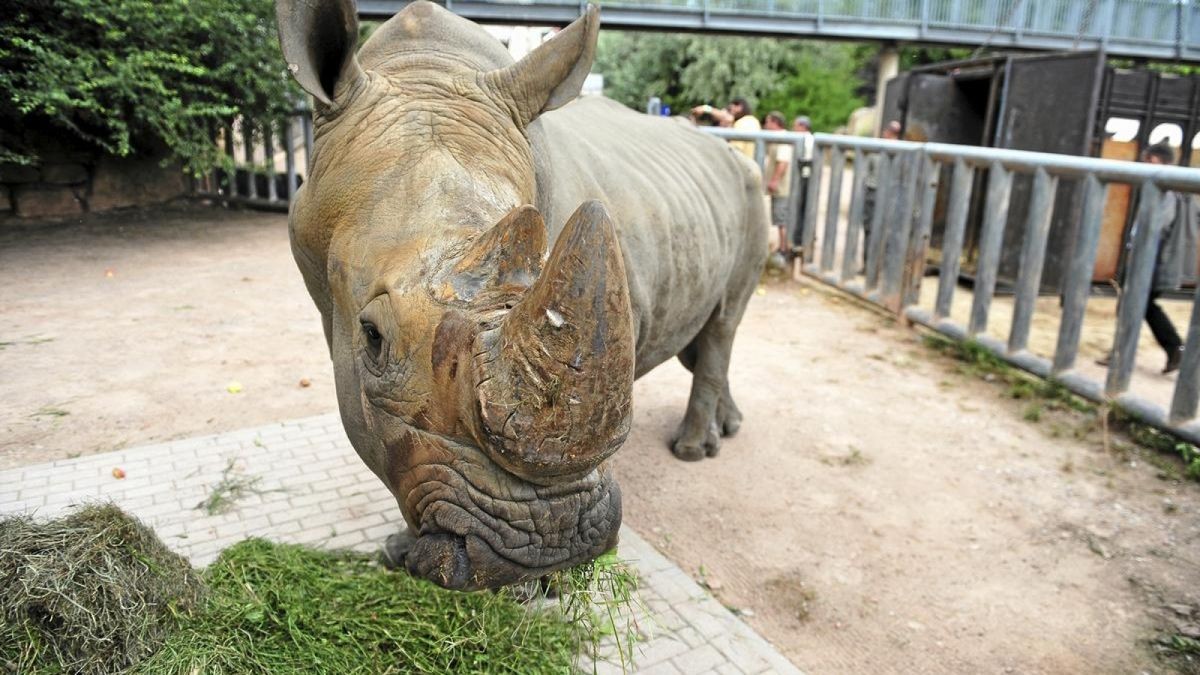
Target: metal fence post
column 886, row 185
column 899, row 228
column 918, row 244
column 991, row 237
column 1135, row 293
column 1033, row 256
column 1187, row 387
column 833, row 207
column 269, row 160
column 808, row 234
column 289, row 157
column 952, row 237
column 854, row 225
column 251, row 176
column 1079, row 275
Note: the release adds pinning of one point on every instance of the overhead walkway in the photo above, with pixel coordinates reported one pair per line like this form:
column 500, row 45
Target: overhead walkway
column 1150, row 29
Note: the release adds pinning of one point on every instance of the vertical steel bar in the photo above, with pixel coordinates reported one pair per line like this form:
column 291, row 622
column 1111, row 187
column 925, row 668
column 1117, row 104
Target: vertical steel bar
column 760, row 153
column 1135, row 292
column 896, row 250
column 809, row 234
column 833, row 210
column 793, row 209
column 1187, row 387
column 1079, row 274
column 269, row 160
column 248, row 141
column 1033, row 257
column 990, row 239
column 854, row 226
column 306, row 124
column 918, row 244
column 952, row 238
column 231, row 173
column 289, row 157
column 886, row 178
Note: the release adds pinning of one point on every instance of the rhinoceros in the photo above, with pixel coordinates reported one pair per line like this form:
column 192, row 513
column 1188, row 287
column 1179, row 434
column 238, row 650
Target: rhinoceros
column 494, row 263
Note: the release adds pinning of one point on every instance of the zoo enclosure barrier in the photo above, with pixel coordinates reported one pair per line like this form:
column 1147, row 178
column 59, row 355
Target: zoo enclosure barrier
column 264, row 147
column 897, row 241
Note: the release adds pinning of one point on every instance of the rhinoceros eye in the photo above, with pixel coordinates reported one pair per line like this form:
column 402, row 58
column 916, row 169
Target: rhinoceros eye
column 374, row 340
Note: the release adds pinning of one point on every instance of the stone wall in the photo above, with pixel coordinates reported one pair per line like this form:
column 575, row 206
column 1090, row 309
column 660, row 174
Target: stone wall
column 68, row 183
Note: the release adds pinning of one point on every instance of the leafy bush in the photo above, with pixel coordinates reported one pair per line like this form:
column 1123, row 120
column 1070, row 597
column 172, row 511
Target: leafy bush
column 135, row 76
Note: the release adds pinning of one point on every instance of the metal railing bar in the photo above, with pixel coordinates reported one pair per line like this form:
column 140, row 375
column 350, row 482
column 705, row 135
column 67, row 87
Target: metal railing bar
column 918, row 245
column 269, row 160
column 248, row 150
column 1078, row 281
column 808, row 234
column 1033, row 257
column 887, row 185
column 854, row 226
column 899, row 229
column 1135, row 292
column 231, row 175
column 289, row 158
column 1187, row 388
column 991, row 238
column 1025, row 161
column 952, row 238
column 833, row 208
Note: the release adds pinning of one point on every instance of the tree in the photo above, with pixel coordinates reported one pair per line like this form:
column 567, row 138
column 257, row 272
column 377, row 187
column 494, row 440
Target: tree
column 817, row 79
column 134, row 76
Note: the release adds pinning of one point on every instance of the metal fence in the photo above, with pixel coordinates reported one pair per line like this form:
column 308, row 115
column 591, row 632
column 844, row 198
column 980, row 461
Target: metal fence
column 264, row 162
column 897, row 238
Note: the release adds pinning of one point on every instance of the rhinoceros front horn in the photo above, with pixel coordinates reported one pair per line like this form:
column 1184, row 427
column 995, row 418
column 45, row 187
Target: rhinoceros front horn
column 556, row 377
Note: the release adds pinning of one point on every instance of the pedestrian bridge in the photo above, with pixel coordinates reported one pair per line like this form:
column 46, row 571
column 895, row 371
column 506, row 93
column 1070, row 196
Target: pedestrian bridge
column 1152, row 29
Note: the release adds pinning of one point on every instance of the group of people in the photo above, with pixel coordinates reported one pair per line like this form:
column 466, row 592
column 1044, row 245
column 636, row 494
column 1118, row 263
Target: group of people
column 780, row 157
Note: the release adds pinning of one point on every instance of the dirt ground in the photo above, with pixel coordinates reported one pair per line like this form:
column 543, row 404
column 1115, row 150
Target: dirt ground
column 880, row 510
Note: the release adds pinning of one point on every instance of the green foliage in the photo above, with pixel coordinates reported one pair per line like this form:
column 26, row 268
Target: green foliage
column 133, row 76
column 277, row 608
column 818, row 79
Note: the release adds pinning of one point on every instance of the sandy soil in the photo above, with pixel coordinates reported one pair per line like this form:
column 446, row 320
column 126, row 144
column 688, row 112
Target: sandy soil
column 879, row 511
column 129, row 329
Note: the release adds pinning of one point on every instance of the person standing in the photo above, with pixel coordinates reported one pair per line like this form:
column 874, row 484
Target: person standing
column 1174, row 262
column 737, row 115
column 777, row 178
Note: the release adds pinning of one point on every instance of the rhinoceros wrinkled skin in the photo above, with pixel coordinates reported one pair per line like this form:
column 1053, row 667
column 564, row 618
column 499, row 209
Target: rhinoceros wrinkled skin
column 495, row 263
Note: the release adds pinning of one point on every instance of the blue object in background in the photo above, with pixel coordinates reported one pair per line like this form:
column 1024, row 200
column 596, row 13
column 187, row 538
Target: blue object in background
column 666, row 111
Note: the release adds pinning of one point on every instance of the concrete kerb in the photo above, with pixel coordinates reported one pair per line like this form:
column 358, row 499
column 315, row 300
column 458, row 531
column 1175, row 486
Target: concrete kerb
column 309, row 487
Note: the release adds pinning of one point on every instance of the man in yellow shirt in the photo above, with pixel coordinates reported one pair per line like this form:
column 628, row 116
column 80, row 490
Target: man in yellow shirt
column 736, row 115
column 777, row 178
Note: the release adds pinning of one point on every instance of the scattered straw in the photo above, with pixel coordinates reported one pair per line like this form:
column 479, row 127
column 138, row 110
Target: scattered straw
column 94, row 592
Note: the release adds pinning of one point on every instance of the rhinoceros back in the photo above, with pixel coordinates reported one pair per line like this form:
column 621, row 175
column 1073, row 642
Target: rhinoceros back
column 688, row 210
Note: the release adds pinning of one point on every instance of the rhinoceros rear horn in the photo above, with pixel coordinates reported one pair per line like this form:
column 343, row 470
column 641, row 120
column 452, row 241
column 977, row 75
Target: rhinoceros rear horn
column 556, row 378
column 318, row 41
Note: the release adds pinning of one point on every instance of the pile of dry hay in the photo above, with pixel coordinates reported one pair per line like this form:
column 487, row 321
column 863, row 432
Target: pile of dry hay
column 94, row 592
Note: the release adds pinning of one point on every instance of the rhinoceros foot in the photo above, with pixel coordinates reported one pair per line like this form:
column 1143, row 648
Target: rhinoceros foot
column 694, row 442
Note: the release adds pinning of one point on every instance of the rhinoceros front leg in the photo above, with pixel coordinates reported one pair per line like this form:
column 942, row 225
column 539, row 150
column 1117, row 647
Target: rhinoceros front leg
column 711, row 412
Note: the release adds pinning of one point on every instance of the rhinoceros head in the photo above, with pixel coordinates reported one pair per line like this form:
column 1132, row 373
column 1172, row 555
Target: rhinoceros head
column 484, row 378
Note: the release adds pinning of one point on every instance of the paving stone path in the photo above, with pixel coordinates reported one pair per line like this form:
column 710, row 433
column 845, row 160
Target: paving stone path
column 310, row 488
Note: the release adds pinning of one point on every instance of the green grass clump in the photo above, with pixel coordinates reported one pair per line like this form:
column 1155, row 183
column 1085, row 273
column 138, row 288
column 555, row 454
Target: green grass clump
column 282, row 608
column 94, row 592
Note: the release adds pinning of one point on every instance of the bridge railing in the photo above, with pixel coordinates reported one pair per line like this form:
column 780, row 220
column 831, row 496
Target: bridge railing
column 901, row 181
column 1131, row 28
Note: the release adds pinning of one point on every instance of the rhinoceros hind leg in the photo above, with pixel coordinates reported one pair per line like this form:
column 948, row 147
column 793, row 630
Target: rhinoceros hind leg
column 729, row 417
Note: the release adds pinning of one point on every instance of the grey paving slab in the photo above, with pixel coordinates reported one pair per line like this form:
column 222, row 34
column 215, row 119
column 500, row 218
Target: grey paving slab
column 310, row 488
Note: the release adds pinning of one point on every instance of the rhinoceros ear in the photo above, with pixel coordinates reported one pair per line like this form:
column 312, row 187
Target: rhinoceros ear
column 555, row 381
column 318, row 38
column 551, row 75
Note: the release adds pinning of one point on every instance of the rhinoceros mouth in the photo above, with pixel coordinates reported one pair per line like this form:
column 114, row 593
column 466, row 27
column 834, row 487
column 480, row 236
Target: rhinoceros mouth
column 478, row 526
